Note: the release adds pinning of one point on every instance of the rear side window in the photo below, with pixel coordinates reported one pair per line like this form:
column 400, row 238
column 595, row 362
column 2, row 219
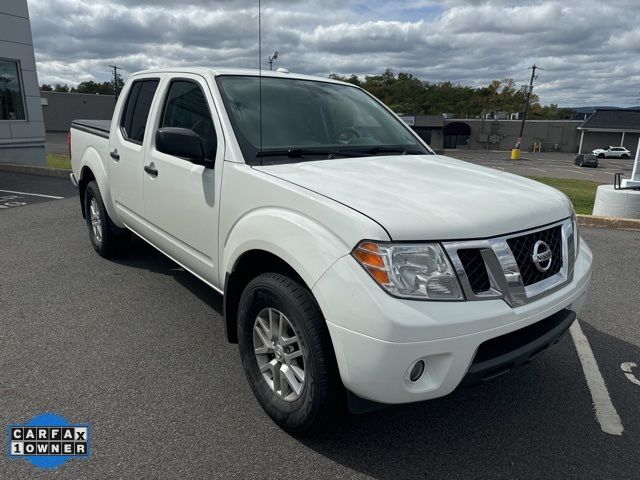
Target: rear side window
column 136, row 111
column 186, row 107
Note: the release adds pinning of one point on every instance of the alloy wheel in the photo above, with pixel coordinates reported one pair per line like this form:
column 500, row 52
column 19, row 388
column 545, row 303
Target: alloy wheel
column 279, row 353
column 96, row 220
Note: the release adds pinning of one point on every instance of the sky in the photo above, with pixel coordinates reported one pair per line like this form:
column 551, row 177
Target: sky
column 589, row 50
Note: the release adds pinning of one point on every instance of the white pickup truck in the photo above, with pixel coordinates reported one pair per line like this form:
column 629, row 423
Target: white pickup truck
column 358, row 267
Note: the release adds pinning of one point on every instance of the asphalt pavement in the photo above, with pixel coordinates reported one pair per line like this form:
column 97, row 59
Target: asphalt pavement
column 547, row 164
column 19, row 190
column 135, row 347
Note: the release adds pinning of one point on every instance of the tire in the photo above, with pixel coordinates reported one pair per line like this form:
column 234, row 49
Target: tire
column 106, row 238
column 624, row 155
column 601, row 155
column 320, row 398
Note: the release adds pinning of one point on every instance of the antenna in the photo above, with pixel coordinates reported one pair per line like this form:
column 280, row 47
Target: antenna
column 260, row 72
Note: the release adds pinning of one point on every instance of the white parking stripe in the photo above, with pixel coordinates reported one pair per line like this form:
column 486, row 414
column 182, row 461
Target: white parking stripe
column 539, row 169
column 33, row 194
column 606, row 413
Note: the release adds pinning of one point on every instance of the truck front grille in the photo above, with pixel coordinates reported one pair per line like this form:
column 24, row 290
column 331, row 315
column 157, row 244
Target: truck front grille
column 522, row 248
column 518, row 268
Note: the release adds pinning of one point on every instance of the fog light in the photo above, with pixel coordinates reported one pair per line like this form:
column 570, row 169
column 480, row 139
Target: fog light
column 416, row 371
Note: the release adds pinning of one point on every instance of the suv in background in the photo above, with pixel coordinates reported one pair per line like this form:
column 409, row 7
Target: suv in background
column 612, row 152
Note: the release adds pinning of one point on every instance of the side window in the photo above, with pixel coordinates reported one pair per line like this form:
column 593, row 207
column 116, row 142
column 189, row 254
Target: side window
column 136, row 111
column 186, row 107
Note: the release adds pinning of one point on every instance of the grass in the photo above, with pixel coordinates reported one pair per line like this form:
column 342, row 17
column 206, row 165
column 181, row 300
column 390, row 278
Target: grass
column 56, row 160
column 581, row 192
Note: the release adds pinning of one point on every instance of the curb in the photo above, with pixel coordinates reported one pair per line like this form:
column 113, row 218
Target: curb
column 33, row 170
column 609, row 222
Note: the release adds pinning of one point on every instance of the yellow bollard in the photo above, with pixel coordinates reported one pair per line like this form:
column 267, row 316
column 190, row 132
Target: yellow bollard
column 515, row 154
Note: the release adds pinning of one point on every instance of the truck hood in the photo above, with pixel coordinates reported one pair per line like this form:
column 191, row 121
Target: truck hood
column 430, row 197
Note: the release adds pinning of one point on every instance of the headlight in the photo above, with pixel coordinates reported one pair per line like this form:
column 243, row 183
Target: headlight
column 417, row 271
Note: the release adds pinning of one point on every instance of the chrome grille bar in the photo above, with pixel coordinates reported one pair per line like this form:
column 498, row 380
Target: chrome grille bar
column 504, row 274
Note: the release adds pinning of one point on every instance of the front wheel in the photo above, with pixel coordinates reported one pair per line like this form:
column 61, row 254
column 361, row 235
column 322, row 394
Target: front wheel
column 287, row 354
column 601, row 155
column 106, row 238
column 624, row 155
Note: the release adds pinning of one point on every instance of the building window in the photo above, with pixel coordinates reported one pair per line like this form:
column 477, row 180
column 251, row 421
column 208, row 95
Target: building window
column 11, row 104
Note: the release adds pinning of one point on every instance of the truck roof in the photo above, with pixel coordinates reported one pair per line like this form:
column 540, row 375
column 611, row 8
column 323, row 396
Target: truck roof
column 212, row 71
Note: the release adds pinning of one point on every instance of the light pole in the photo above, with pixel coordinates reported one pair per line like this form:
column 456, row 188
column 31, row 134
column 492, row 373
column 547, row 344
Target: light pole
column 272, row 58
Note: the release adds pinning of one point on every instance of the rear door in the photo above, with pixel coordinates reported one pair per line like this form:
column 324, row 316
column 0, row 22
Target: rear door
column 182, row 199
column 126, row 152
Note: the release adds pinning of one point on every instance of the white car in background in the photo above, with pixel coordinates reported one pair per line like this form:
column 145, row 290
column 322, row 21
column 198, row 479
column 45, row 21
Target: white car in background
column 612, row 152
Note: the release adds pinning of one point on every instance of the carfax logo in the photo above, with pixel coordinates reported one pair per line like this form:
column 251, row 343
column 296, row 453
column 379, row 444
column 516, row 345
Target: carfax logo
column 49, row 440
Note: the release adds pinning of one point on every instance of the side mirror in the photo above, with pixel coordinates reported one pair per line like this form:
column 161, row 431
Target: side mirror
column 181, row 142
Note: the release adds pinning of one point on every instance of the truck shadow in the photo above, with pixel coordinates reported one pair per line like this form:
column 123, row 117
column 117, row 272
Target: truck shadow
column 536, row 422
column 141, row 255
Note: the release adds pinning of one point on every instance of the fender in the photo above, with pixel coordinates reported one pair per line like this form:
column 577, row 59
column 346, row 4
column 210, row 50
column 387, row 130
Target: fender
column 307, row 246
column 92, row 160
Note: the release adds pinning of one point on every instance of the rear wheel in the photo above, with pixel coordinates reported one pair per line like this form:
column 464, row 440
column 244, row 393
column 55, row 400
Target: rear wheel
column 287, row 354
column 106, row 238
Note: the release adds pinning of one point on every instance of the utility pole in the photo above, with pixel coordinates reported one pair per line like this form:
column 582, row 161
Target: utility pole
column 529, row 89
column 115, row 81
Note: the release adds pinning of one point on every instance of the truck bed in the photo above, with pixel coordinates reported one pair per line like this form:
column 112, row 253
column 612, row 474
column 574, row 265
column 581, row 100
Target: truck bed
column 96, row 127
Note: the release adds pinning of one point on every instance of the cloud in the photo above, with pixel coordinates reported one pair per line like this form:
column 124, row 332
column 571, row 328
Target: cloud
column 587, row 49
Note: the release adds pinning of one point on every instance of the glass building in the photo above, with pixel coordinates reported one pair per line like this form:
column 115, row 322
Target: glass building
column 21, row 123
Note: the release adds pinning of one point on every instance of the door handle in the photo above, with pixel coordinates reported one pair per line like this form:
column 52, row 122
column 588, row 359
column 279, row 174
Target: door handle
column 115, row 155
column 151, row 170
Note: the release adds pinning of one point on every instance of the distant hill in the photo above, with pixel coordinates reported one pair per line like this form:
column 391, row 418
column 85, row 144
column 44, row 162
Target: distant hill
column 591, row 109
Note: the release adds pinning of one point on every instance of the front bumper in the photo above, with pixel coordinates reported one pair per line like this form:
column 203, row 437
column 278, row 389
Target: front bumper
column 377, row 338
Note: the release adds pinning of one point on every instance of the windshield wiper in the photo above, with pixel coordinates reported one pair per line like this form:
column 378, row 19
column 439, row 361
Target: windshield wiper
column 299, row 152
column 400, row 150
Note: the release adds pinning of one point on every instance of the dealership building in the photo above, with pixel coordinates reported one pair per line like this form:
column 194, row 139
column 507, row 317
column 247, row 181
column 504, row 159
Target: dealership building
column 601, row 128
column 22, row 129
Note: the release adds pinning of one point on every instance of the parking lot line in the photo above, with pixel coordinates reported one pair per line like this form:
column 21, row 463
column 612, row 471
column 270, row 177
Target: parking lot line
column 606, row 413
column 578, row 172
column 55, row 197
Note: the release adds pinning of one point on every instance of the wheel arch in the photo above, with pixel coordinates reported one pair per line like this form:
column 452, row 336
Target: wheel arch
column 248, row 266
column 92, row 168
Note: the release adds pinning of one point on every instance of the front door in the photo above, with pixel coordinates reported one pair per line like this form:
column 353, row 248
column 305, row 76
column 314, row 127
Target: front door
column 181, row 199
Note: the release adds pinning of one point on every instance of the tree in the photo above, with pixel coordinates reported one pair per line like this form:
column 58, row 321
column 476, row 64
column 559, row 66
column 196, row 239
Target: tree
column 407, row 94
column 45, row 88
column 61, row 88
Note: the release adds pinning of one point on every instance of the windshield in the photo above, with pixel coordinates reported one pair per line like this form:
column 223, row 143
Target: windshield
column 310, row 120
